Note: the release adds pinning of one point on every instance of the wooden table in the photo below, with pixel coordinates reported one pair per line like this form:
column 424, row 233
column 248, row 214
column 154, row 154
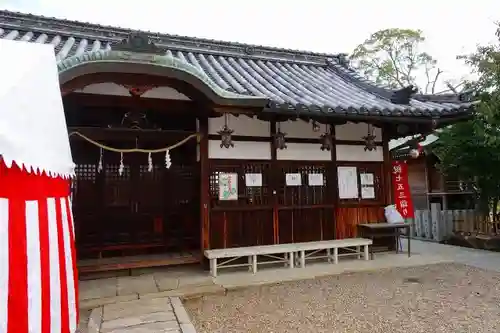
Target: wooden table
column 379, row 230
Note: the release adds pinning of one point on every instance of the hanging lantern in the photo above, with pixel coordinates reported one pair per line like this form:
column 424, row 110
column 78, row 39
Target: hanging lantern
column 326, row 140
column 414, row 153
column 225, row 134
column 370, row 140
column 315, row 126
column 279, row 139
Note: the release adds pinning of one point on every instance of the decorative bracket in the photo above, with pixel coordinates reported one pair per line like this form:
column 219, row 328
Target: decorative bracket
column 138, row 42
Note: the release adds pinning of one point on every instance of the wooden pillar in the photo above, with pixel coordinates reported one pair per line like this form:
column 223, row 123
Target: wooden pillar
column 387, row 169
column 273, row 184
column 334, row 179
column 204, row 185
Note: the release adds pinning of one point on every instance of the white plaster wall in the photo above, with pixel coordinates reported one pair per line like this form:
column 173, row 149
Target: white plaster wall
column 355, row 132
column 358, row 154
column 242, row 150
column 303, row 152
column 114, row 89
column 241, row 125
column 300, row 129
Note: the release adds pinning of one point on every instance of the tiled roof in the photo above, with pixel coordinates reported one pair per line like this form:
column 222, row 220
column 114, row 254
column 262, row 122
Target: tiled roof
column 293, row 81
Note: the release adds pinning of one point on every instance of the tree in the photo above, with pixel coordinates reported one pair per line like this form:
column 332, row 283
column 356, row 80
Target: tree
column 470, row 151
column 392, row 57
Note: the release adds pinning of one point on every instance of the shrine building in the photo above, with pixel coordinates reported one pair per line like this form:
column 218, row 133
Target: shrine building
column 183, row 144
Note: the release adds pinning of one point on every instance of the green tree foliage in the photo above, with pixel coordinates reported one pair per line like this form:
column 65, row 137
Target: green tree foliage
column 470, row 150
column 393, row 57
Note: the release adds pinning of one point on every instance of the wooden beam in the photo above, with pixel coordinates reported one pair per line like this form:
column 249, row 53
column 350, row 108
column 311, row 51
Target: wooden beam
column 290, row 140
column 129, row 102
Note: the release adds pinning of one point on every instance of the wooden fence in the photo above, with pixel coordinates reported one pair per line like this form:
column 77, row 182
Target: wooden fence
column 439, row 225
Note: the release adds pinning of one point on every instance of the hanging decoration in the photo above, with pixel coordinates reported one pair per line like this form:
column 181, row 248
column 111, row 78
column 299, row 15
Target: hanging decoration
column 122, row 167
column 225, row 133
column 99, row 166
column 326, row 139
column 370, row 139
column 150, row 163
column 279, row 138
column 168, row 162
column 166, row 150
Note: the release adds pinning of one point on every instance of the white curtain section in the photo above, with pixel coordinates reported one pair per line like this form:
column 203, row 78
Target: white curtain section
column 33, row 129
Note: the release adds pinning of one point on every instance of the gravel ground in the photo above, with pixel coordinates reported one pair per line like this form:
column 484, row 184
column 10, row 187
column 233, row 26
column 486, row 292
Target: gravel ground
column 435, row 298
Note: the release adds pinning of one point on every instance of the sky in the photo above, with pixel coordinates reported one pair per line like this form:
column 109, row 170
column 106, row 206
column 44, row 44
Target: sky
column 451, row 27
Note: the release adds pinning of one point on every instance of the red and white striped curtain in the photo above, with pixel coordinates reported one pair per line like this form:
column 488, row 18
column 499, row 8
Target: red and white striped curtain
column 38, row 276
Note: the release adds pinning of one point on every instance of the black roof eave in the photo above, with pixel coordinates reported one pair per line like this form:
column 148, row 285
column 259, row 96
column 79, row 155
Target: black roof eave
column 355, row 115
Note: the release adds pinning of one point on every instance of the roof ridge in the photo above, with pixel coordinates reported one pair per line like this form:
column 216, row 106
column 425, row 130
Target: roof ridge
column 39, row 22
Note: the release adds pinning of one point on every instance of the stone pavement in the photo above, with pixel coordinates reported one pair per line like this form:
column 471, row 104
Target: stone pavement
column 473, row 257
column 164, row 314
column 150, row 301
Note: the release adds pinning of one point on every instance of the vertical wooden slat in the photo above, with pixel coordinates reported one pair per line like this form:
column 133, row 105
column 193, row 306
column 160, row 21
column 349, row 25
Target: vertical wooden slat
column 204, row 184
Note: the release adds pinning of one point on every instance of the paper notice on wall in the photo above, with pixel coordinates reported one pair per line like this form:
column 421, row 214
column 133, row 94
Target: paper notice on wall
column 228, row 186
column 368, row 192
column 253, row 179
column 316, row 179
column 348, row 182
column 366, row 178
column 293, row 179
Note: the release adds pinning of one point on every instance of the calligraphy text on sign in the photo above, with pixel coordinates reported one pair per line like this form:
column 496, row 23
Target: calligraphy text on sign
column 402, row 195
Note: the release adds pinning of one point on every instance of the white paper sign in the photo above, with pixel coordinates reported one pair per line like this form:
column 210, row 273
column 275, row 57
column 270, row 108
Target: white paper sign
column 253, row 179
column 316, row 179
column 228, row 186
column 293, row 179
column 366, row 178
column 348, row 182
column 368, row 192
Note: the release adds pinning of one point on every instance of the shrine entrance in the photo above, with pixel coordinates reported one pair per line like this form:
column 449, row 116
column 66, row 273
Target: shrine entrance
column 133, row 209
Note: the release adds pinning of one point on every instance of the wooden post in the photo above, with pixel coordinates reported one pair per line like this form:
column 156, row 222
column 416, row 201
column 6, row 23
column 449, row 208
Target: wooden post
column 204, row 185
column 273, row 185
column 387, row 170
column 334, row 179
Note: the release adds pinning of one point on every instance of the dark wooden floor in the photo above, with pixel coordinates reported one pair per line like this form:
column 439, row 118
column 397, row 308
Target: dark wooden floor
column 139, row 261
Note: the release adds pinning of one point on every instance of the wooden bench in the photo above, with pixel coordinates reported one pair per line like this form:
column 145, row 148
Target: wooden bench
column 291, row 252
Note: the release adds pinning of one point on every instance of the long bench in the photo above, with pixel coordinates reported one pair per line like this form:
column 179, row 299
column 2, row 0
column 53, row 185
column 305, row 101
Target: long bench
column 291, row 254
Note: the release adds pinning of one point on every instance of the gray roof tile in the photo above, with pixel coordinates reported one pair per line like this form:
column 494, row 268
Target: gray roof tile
column 293, row 81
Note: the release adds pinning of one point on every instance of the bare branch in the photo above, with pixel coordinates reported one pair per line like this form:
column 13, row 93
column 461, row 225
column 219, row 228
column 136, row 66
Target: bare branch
column 439, row 72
